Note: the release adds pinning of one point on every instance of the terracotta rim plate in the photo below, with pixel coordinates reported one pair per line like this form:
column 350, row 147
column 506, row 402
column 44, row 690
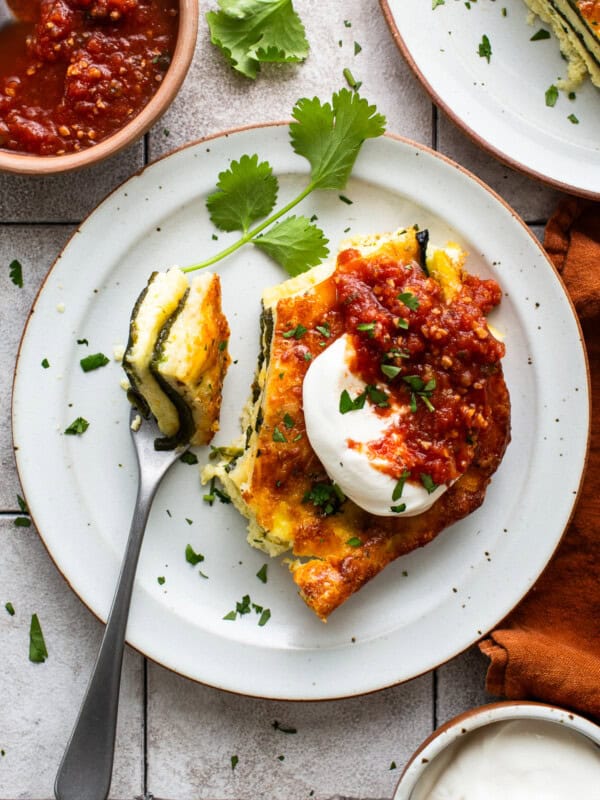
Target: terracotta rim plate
column 501, row 105
column 421, row 610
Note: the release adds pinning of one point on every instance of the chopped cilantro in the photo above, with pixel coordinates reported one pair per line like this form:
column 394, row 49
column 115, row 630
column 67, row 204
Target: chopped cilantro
column 572, row 118
column 22, row 522
column 436, row 3
column 398, row 509
column 234, row 762
column 393, row 765
column 390, row 370
column 346, row 200
column 161, row 579
column 93, row 361
column 283, row 728
column 192, row 557
column 262, row 573
column 400, row 322
column 278, row 436
column 45, row 363
column 189, row 458
column 15, row 272
column 485, row 48
column 409, row 299
column 551, row 96
column 10, row 608
column 77, row 427
column 297, row 332
column 354, row 541
column 324, row 330
column 366, row 326
column 539, row 35
column 37, row 646
column 83, row 341
column 357, row 48
column 428, row 483
column 288, row 421
column 399, row 487
column 326, row 497
column 348, row 404
column 22, row 504
column 264, row 617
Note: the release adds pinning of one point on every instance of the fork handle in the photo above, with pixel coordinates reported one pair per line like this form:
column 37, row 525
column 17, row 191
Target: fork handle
column 86, row 767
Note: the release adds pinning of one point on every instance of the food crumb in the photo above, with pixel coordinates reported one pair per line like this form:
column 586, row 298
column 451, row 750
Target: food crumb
column 136, row 423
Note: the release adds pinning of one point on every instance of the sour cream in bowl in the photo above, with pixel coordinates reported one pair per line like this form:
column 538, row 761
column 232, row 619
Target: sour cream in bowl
column 507, row 751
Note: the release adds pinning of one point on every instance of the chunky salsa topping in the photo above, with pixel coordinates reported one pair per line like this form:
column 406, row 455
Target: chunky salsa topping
column 430, row 358
column 80, row 70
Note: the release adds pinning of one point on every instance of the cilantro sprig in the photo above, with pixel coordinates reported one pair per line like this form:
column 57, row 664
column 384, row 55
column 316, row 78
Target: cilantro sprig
column 329, row 135
column 255, row 32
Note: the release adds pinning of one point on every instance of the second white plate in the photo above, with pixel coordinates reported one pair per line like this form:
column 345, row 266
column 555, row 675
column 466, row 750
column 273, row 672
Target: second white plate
column 501, row 104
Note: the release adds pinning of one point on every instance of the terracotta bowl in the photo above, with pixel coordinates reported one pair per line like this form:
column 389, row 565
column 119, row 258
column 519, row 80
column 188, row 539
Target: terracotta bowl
column 477, row 718
column 180, row 62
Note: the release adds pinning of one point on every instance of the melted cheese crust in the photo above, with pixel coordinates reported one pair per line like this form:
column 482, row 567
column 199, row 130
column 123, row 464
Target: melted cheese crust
column 270, row 482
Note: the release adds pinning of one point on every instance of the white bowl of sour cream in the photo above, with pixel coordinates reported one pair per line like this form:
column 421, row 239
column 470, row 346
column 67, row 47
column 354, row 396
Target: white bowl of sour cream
column 507, row 751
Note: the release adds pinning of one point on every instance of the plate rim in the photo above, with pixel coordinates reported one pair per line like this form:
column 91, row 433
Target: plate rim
column 516, row 218
column 459, row 123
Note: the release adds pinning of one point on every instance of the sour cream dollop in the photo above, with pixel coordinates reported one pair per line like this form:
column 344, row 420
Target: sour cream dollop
column 329, row 431
column 515, row 760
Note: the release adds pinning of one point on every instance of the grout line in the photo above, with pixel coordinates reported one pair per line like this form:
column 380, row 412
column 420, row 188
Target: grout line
column 145, row 729
column 435, row 699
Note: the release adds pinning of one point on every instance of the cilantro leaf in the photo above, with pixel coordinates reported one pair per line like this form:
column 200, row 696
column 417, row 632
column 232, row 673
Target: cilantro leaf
column 296, row 244
column 93, row 361
column 77, row 427
column 37, row 646
column 192, row 557
column 330, row 135
column 485, row 48
column 15, row 271
column 251, row 32
column 246, row 192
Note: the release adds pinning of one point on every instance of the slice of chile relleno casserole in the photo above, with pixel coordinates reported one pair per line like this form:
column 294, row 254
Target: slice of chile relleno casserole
column 576, row 25
column 377, row 416
column 177, row 357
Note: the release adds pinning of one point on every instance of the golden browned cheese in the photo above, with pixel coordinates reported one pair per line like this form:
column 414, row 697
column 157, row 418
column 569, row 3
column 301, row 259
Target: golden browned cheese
column 327, row 568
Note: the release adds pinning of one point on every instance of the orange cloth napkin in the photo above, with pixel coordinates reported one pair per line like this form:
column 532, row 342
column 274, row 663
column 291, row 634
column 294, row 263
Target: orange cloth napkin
column 548, row 648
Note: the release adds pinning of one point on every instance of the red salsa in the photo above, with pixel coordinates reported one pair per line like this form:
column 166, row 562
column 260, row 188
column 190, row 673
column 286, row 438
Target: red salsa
column 80, row 70
column 431, row 357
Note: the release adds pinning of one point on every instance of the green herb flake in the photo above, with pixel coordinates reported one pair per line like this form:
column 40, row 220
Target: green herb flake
column 10, row 608
column 192, row 557
column 348, row 404
column 409, row 299
column 357, row 48
column 161, row 580
column 283, row 728
column 15, row 272
column 94, row 361
column 37, row 646
column 189, row 521
column 398, row 509
column 189, row 458
column 399, row 487
column 485, row 48
column 288, row 421
column 22, row 504
column 436, row 3
column 230, row 616
column 234, row 762
column 540, row 35
column 278, row 436
column 324, row 330
column 354, row 541
column 390, row 370
column 369, row 327
column 326, row 497
column 262, row 573
column 377, row 397
column 83, row 341
column 345, row 199
column 400, row 322
column 297, row 332
column 551, row 96
column 428, row 483
column 264, row 617
column 347, row 23
column 77, row 427
column 352, row 83
column 393, row 765
column 572, row 118
column 45, row 363
column 22, row 522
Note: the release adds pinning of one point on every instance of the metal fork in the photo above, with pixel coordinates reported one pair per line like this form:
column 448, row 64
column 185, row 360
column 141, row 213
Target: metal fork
column 86, row 767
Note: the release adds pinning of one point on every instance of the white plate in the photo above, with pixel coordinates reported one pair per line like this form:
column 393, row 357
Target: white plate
column 421, row 610
column 501, row 104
